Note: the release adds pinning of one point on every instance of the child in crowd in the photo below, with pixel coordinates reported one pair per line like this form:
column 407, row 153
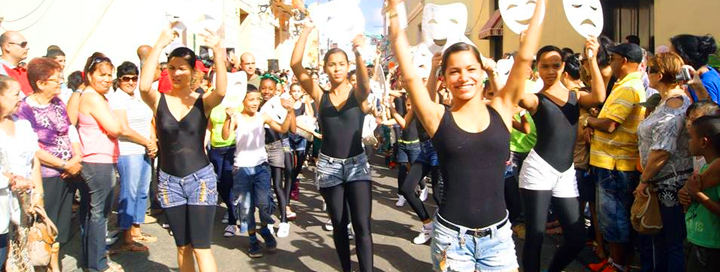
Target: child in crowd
column 251, row 180
column 703, row 215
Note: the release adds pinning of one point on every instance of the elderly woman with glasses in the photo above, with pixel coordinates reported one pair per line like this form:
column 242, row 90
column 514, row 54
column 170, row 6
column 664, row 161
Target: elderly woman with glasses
column 137, row 148
column 59, row 151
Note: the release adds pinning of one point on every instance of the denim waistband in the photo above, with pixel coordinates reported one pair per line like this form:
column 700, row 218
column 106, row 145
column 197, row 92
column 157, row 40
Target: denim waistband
column 352, row 160
column 203, row 172
column 477, row 232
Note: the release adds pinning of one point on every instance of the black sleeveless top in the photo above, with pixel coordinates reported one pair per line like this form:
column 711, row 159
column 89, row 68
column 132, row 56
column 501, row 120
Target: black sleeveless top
column 472, row 165
column 272, row 136
column 342, row 130
column 556, row 130
column 422, row 134
column 180, row 143
column 410, row 132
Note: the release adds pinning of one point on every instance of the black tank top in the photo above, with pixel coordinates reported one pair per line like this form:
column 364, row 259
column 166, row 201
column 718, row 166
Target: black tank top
column 556, row 131
column 410, row 133
column 300, row 111
column 181, row 142
column 272, row 136
column 472, row 166
column 342, row 130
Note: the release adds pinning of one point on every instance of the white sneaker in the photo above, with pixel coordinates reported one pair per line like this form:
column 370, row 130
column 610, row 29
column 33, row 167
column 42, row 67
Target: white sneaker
column 424, row 236
column 329, row 226
column 424, row 194
column 401, row 201
column 283, row 230
column 351, row 233
column 271, row 228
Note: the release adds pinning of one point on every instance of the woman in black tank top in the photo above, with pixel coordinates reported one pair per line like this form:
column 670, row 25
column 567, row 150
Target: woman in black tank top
column 187, row 182
column 547, row 175
column 472, row 140
column 342, row 167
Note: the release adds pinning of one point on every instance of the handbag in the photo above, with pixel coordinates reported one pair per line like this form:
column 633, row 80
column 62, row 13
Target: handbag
column 41, row 242
column 645, row 213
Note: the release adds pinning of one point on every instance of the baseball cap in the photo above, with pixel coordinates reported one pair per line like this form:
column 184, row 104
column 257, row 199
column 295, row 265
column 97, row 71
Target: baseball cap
column 652, row 101
column 631, row 51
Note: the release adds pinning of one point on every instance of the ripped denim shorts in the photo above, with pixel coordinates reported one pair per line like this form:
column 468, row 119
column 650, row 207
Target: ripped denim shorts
column 199, row 188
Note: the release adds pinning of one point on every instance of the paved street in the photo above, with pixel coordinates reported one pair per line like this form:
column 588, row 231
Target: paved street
column 309, row 247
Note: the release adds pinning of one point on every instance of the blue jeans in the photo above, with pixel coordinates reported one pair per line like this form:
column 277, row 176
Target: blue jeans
column 458, row 251
column 199, row 188
column 331, row 171
column 251, row 189
column 135, row 174
column 408, row 153
column 428, row 154
column 95, row 206
column 614, row 199
column 222, row 159
column 3, row 249
column 664, row 251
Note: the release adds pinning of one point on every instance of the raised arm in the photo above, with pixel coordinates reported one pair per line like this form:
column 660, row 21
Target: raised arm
column 598, row 91
column 514, row 89
column 212, row 99
column 147, row 74
column 363, row 80
column 433, row 77
column 428, row 112
column 296, row 65
column 230, row 123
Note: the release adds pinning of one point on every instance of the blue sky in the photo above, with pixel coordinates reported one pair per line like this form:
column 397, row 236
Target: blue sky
column 371, row 9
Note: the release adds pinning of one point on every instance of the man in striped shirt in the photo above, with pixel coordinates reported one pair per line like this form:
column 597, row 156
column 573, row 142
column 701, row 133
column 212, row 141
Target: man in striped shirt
column 614, row 150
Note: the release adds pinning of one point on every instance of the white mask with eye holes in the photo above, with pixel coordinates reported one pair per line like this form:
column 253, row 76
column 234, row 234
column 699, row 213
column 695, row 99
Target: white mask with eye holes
column 517, row 13
column 444, row 25
column 585, row 16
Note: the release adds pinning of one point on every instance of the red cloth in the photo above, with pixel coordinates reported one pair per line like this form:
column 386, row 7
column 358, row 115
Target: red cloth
column 20, row 75
column 164, row 84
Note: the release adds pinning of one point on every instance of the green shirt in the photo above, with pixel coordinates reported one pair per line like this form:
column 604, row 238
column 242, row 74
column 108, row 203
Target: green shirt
column 521, row 142
column 703, row 227
column 217, row 118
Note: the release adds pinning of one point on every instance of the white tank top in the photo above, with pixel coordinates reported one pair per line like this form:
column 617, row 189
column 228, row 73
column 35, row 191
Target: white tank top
column 250, row 141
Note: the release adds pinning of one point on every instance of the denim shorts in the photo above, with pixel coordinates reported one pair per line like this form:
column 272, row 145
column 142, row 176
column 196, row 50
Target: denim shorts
column 276, row 154
column 332, row 171
column 408, row 152
column 458, row 251
column 614, row 199
column 199, row 188
column 427, row 154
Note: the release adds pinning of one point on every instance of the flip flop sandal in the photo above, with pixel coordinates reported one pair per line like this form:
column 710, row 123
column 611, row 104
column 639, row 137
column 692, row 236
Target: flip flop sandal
column 135, row 247
column 144, row 237
column 114, row 267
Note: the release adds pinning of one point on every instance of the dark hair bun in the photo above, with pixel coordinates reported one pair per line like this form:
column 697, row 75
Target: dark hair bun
column 707, row 45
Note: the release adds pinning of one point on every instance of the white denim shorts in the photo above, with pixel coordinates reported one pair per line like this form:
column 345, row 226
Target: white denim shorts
column 537, row 175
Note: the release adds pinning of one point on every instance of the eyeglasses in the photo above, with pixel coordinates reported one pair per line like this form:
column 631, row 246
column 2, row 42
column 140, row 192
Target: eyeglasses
column 22, row 44
column 97, row 60
column 129, row 78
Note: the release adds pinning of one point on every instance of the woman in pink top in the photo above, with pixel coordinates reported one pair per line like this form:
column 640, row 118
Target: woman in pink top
column 98, row 129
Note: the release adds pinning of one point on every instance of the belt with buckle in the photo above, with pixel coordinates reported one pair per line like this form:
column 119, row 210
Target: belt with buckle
column 479, row 232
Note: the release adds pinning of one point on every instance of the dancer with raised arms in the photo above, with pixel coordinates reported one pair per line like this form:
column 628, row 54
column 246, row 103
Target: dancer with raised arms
column 472, row 139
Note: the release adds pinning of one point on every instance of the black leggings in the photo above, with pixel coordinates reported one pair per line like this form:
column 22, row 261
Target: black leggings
column 358, row 195
column 282, row 188
column 299, row 161
column 191, row 225
column 407, row 187
column 536, row 205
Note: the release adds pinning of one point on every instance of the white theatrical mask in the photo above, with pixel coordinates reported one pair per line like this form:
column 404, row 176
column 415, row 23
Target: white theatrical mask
column 196, row 16
column 339, row 20
column 503, row 68
column 585, row 16
column 444, row 25
column 422, row 56
column 517, row 13
column 236, row 89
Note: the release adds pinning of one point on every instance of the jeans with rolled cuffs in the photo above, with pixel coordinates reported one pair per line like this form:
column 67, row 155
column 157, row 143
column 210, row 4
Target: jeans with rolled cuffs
column 135, row 174
column 251, row 189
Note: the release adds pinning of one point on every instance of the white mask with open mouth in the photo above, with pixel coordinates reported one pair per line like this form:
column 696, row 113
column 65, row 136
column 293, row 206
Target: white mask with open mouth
column 585, row 16
column 444, row 25
column 517, row 13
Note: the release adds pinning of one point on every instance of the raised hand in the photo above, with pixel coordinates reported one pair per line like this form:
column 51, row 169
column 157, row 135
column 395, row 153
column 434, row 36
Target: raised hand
column 212, row 40
column 287, row 104
column 358, row 42
column 167, row 35
column 230, row 111
column 591, row 46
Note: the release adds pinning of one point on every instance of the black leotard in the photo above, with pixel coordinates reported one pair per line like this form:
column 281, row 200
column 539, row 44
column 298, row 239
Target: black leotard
column 556, row 130
column 472, row 166
column 342, row 130
column 181, row 142
column 410, row 132
column 422, row 134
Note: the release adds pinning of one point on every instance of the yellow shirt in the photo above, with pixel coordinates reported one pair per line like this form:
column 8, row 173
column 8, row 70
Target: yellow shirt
column 619, row 150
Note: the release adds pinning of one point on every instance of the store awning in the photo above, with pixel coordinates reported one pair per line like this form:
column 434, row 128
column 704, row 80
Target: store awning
column 493, row 27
